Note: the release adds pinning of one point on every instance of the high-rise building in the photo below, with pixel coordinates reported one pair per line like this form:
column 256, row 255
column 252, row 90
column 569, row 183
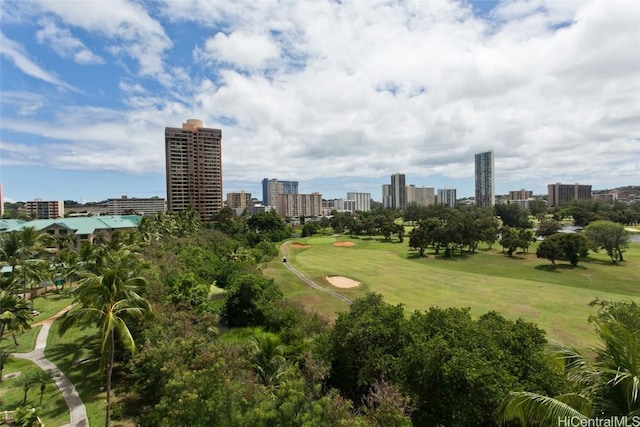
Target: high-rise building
column 241, row 200
column 398, row 191
column 194, row 168
column 42, row 209
column 447, row 196
column 563, row 194
column 273, row 188
column 139, row 206
column 485, row 179
column 1, row 203
column 411, row 194
column 386, row 196
column 363, row 201
column 425, row 196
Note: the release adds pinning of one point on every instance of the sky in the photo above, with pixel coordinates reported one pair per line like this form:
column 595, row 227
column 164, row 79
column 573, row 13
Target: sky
column 335, row 94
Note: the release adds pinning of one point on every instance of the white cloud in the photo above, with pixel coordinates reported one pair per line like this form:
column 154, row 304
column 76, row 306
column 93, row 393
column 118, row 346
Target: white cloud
column 26, row 103
column 131, row 30
column 64, row 44
column 308, row 89
column 240, row 49
column 15, row 52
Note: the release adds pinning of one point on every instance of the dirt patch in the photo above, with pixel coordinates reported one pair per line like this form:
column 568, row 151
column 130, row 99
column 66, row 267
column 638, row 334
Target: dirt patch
column 299, row 245
column 344, row 244
column 342, row 282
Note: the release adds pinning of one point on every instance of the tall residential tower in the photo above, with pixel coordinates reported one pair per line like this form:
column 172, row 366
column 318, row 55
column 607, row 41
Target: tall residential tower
column 398, row 191
column 485, row 179
column 194, row 168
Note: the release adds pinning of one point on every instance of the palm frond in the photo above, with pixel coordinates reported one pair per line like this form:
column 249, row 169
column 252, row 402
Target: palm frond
column 535, row 408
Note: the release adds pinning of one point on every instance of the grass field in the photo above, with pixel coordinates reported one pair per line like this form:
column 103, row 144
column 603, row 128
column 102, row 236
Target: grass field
column 521, row 286
column 53, row 411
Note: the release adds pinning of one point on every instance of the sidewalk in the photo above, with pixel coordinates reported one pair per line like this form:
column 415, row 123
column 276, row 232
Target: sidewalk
column 77, row 410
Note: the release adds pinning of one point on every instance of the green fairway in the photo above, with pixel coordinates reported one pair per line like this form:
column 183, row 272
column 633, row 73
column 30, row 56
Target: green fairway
column 522, row 286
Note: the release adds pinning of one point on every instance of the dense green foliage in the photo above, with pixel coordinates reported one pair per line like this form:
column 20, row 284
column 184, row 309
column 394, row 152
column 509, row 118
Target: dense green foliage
column 611, row 237
column 226, row 348
column 563, row 246
column 605, row 386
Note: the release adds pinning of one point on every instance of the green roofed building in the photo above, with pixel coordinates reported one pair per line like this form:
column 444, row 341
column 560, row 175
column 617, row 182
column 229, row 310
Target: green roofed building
column 81, row 229
column 6, row 224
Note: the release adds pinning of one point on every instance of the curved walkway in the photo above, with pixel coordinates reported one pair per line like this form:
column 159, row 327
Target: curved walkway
column 310, row 282
column 77, row 410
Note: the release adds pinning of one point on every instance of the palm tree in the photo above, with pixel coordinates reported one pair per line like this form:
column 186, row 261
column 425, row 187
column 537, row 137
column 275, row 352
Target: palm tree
column 268, row 358
column 606, row 386
column 11, row 250
column 15, row 314
column 109, row 298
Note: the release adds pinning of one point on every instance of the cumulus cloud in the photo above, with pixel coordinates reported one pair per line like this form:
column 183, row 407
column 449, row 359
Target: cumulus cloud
column 64, row 44
column 240, row 49
column 128, row 27
column 306, row 89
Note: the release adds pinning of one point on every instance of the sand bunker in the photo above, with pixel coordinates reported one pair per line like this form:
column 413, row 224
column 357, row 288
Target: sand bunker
column 342, row 282
column 343, row 244
column 299, row 245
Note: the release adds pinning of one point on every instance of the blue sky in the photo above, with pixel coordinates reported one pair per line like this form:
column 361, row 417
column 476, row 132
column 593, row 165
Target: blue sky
column 335, row 95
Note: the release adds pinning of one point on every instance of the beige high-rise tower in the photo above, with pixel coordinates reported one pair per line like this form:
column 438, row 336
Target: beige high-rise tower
column 194, row 168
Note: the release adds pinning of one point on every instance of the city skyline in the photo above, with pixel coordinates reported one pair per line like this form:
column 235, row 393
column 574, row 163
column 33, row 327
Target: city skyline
column 335, row 95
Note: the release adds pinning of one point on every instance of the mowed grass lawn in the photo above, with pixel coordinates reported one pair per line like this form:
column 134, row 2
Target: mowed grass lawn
column 557, row 299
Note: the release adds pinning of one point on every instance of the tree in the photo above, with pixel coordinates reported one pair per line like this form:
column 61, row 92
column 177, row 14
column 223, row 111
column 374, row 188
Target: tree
column 568, row 246
column 419, row 239
column 551, row 248
column 510, row 239
column 268, row 358
column 31, row 379
column 449, row 354
column 309, row 229
column 248, row 299
column 364, row 344
column 537, row 207
column 609, row 236
column 512, row 215
column 110, row 298
column 605, row 387
column 547, row 227
column 15, row 315
column 489, row 229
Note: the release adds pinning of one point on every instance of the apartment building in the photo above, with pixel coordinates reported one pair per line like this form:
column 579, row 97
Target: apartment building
column 273, row 188
column 386, row 196
column 398, row 191
column 520, row 194
column 240, row 201
column 447, row 196
column 485, row 179
column 425, row 196
column 140, row 206
column 43, row 209
column 297, row 205
column 194, row 168
column 563, row 194
column 362, row 201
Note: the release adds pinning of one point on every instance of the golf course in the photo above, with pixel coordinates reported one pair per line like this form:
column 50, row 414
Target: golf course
column 556, row 298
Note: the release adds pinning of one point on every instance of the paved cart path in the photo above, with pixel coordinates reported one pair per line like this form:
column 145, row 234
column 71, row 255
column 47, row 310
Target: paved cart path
column 77, row 410
column 308, row 281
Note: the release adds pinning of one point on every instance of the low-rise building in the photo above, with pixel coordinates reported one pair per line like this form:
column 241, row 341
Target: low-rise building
column 137, row 206
column 83, row 229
